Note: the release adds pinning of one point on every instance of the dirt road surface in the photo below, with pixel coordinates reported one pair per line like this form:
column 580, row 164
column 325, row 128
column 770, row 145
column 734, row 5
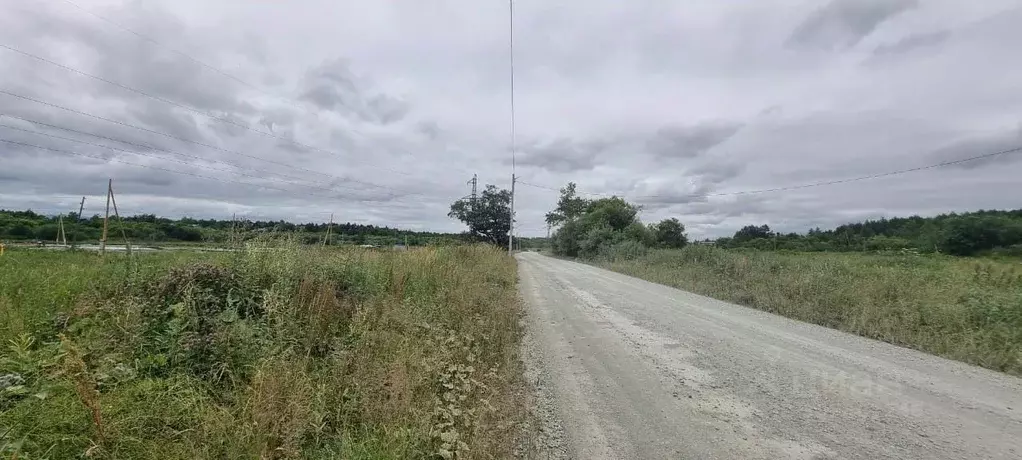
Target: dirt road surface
column 634, row 369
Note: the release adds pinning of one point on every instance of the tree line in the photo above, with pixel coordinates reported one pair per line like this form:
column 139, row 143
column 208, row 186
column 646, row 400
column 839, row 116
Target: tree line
column 961, row 234
column 149, row 228
column 589, row 228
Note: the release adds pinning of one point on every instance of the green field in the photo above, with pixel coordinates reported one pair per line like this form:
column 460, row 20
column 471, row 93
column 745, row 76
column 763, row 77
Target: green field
column 285, row 352
column 960, row 308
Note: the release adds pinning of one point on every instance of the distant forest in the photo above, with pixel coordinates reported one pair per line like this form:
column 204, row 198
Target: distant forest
column 965, row 234
column 148, row 228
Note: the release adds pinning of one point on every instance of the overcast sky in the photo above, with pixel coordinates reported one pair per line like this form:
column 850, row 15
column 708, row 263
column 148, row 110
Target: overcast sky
column 381, row 111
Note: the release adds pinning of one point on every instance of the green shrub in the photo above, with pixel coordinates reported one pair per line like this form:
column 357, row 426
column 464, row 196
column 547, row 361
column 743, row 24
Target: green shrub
column 625, row 250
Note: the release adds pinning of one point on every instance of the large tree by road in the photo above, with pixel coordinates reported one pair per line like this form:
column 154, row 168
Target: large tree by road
column 590, row 227
column 488, row 216
column 669, row 233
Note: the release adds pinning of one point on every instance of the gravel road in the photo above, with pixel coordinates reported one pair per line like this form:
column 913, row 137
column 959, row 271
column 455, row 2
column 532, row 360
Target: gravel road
column 634, row 369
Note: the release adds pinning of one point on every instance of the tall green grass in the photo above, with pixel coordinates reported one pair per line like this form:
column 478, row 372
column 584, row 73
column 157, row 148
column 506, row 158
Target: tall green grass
column 40, row 287
column 964, row 309
column 278, row 352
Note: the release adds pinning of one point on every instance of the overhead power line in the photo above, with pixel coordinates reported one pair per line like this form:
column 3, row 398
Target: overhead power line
column 544, row 187
column 198, row 111
column 190, row 141
column 180, row 53
column 147, row 38
column 115, row 160
column 139, row 145
column 802, row 186
column 131, row 152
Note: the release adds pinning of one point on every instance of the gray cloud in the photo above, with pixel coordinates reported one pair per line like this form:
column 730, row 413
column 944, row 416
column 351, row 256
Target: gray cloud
column 430, row 129
column 230, row 125
column 670, row 196
column 979, row 146
column 716, row 172
column 621, row 99
column 692, row 185
column 168, row 120
column 674, row 142
column 155, row 70
column 912, row 42
column 385, row 109
column 720, row 211
column 278, row 122
column 288, row 146
column 561, row 155
column 841, row 24
column 333, row 86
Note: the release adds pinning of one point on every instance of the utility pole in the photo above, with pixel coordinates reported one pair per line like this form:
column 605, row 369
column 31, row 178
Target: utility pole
column 106, row 217
column 511, row 227
column 475, row 185
column 63, row 232
column 234, row 229
column 329, row 227
column 110, row 191
column 60, row 230
column 81, row 208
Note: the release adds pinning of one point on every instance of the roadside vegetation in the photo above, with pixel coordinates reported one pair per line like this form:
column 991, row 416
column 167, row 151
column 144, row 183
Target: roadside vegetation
column 960, row 308
column 903, row 291
column 607, row 227
column 279, row 351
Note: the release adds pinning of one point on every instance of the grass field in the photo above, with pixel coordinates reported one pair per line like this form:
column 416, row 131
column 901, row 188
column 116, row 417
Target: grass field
column 296, row 352
column 960, row 308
